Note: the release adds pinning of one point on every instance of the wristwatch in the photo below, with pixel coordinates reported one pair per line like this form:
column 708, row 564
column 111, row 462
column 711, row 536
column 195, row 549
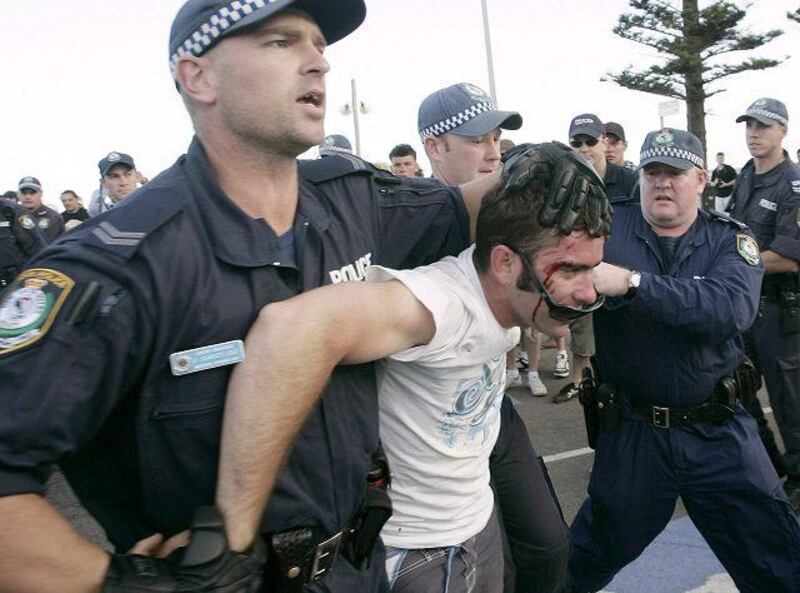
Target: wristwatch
column 633, row 283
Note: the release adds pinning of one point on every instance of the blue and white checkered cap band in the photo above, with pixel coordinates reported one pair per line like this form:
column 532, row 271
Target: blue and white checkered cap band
column 215, row 26
column 456, row 120
column 769, row 114
column 672, row 152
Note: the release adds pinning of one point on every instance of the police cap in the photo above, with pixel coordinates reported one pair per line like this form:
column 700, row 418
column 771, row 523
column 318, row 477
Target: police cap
column 766, row 111
column 115, row 158
column 200, row 24
column 676, row 148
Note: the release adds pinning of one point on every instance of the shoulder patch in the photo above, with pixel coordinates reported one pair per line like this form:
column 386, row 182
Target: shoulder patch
column 26, row 222
column 30, row 305
column 748, row 249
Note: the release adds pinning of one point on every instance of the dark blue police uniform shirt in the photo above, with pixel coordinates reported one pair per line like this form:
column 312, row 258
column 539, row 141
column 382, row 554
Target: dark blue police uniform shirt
column 621, row 184
column 680, row 333
column 769, row 204
column 180, row 266
column 20, row 237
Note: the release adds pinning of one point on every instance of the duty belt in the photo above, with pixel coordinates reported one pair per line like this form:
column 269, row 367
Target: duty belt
column 297, row 557
column 305, row 555
column 663, row 417
column 718, row 409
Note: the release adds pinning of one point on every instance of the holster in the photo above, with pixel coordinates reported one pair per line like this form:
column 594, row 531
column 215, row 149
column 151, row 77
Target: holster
column 789, row 300
column 721, row 407
column 589, row 402
column 609, row 410
column 302, row 556
column 748, row 381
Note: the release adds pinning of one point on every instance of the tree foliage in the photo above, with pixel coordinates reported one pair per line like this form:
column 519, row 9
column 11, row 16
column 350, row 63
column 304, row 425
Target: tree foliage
column 795, row 16
column 689, row 46
column 689, row 41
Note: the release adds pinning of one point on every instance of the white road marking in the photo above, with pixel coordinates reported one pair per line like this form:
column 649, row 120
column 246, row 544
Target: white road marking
column 588, row 451
column 718, row 583
column 567, row 455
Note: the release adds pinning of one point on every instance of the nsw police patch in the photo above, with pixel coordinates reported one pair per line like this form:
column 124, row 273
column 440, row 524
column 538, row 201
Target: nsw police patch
column 29, row 306
column 748, row 249
column 26, row 222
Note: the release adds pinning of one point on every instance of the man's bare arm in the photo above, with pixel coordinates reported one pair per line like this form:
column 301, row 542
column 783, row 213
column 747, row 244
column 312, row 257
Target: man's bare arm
column 41, row 553
column 291, row 351
column 774, row 263
column 473, row 193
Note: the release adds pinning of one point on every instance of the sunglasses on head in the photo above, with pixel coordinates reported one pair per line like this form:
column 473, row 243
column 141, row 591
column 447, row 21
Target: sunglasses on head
column 558, row 312
column 588, row 142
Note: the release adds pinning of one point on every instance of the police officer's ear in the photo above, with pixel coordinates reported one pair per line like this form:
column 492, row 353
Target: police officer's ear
column 195, row 78
column 702, row 179
column 434, row 146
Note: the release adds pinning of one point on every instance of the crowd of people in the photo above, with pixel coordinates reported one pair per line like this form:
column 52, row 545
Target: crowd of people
column 240, row 415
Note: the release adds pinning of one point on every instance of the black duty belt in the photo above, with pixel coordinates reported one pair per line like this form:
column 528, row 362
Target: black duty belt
column 296, row 556
column 305, row 555
column 663, row 417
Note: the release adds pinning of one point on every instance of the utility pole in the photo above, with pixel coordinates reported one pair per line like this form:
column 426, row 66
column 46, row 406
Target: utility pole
column 355, row 106
column 489, row 62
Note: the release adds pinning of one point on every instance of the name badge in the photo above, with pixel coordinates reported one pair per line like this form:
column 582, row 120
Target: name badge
column 206, row 357
column 768, row 205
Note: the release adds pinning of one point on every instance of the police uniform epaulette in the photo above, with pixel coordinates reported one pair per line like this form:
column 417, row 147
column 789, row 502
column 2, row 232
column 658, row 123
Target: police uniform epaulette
column 722, row 217
column 794, row 179
column 122, row 229
column 337, row 165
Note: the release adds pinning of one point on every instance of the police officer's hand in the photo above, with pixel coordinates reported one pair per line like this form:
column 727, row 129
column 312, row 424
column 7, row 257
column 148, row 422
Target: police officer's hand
column 574, row 185
column 156, row 546
column 207, row 564
column 611, row 280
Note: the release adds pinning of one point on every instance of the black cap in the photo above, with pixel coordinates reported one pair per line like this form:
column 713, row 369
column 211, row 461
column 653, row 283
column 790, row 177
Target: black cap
column 615, row 129
column 586, row 124
column 676, row 148
column 115, row 158
column 200, row 24
column 465, row 110
column 767, row 111
column 30, row 183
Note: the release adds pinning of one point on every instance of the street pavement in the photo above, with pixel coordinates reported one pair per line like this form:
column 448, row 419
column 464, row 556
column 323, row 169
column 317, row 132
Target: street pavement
column 678, row 561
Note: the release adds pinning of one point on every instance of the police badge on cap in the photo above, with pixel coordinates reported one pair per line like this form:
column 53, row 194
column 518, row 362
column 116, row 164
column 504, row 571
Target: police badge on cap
column 676, row 148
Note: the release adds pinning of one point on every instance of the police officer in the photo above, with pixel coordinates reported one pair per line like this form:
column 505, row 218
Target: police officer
column 48, row 220
column 767, row 197
column 20, row 239
column 119, row 179
column 682, row 286
column 335, row 144
column 587, row 135
column 138, row 316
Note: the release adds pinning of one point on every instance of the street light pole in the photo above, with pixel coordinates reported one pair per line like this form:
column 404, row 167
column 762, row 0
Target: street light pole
column 354, row 103
column 489, row 62
column 355, row 107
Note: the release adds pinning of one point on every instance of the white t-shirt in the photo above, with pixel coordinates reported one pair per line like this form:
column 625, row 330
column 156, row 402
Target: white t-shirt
column 440, row 407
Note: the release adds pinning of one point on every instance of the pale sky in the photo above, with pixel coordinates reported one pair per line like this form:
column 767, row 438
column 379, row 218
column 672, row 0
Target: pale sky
column 84, row 77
